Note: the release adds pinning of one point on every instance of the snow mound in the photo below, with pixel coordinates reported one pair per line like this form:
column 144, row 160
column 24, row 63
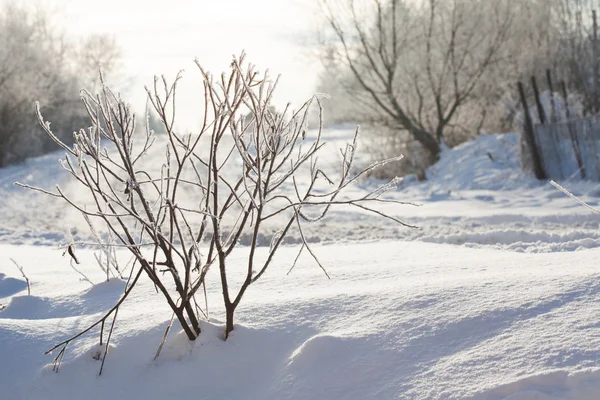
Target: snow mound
column 314, row 348
column 552, row 385
column 489, row 162
column 331, row 366
column 91, row 301
column 10, row 286
column 111, row 288
column 33, row 307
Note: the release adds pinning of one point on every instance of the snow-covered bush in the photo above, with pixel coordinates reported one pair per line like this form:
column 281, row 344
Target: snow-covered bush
column 237, row 173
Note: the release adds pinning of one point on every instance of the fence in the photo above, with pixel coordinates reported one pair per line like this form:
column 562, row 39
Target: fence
column 569, row 149
column 559, row 150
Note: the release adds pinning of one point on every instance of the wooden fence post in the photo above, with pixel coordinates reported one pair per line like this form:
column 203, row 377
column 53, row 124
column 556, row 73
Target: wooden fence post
column 595, row 56
column 553, row 117
column 574, row 137
column 563, row 87
column 538, row 170
column 538, row 102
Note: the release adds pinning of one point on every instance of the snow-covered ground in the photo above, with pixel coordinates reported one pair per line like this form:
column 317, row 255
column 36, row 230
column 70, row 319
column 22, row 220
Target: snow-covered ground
column 469, row 200
column 495, row 296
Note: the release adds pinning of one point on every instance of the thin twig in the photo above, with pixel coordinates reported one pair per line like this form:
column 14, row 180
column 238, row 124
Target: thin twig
column 577, row 199
column 24, row 276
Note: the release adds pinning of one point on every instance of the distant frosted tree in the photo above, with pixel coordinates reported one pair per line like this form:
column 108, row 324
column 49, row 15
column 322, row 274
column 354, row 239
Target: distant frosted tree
column 94, row 51
column 417, row 66
column 38, row 63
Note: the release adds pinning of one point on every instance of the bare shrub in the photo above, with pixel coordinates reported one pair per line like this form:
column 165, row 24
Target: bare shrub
column 247, row 166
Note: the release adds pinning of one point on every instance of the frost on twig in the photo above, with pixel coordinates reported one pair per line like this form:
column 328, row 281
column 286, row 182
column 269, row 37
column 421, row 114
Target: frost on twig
column 577, row 199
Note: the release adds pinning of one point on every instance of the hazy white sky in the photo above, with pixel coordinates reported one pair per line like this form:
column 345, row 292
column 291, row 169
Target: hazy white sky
column 164, row 36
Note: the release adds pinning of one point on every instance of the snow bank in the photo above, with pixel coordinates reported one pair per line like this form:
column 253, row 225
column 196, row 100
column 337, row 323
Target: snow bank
column 489, row 162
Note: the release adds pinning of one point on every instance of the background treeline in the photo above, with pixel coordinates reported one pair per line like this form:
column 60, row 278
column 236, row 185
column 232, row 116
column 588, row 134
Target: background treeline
column 424, row 74
column 38, row 62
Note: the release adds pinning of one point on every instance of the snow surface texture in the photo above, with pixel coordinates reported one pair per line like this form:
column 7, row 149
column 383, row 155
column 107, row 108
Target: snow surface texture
column 397, row 320
column 487, row 300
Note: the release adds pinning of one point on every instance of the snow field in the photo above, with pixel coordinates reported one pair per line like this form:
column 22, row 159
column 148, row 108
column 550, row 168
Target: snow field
column 391, row 323
column 495, row 296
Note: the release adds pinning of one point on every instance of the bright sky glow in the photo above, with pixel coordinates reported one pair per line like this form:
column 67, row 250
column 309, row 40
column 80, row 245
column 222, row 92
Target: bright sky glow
column 165, row 36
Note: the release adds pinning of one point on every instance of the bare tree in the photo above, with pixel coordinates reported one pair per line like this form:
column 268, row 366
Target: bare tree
column 417, row 66
column 93, row 52
column 242, row 171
